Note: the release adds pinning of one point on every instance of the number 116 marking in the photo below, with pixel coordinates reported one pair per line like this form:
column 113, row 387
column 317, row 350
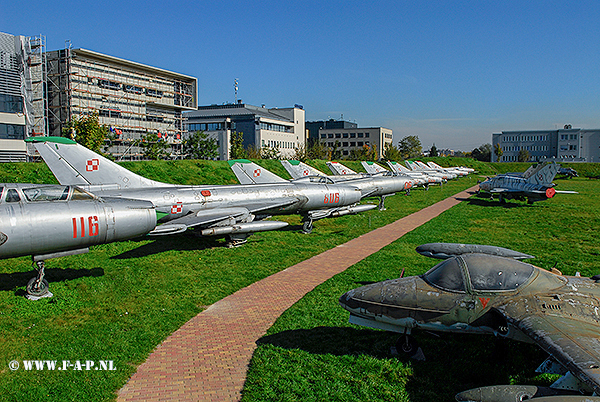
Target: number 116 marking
column 92, row 223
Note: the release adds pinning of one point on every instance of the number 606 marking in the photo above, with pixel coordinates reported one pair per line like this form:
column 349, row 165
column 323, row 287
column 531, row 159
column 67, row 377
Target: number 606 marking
column 92, row 223
column 332, row 198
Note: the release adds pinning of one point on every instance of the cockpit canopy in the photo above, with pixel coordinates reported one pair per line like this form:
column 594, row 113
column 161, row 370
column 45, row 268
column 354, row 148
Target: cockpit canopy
column 37, row 193
column 314, row 179
column 483, row 273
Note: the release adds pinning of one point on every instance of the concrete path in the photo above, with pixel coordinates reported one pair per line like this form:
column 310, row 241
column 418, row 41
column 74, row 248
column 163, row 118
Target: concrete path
column 207, row 358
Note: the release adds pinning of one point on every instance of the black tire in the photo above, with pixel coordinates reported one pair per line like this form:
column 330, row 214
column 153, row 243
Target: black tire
column 407, row 345
column 307, row 227
column 41, row 290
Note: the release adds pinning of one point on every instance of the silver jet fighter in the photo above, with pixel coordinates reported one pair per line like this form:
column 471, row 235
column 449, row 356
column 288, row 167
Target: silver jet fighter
column 417, row 166
column 488, row 290
column 375, row 169
column 49, row 221
column 535, row 185
column 234, row 211
column 250, row 173
column 399, row 169
column 370, row 186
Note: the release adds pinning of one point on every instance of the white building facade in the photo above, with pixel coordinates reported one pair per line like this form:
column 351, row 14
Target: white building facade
column 282, row 129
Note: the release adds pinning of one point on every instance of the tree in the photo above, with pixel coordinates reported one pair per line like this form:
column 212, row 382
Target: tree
column 410, row 147
column 335, row 152
column 391, row 153
column 365, row 153
column 483, row 153
column 498, row 151
column 87, row 131
column 236, row 148
column 154, row 147
column 433, row 151
column 524, row 155
column 317, row 150
column 200, row 146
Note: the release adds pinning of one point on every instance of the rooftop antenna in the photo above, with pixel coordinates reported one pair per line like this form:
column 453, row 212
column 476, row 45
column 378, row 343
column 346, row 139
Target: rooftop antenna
column 235, row 87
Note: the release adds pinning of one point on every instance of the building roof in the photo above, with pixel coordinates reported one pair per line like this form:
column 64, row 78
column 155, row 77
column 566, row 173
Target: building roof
column 133, row 64
column 237, row 109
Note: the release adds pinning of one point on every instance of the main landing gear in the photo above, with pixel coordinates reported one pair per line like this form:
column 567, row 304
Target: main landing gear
column 307, row 226
column 38, row 287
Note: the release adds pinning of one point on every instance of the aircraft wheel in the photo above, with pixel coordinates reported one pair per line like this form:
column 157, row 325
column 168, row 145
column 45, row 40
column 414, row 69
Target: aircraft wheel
column 40, row 290
column 407, row 344
column 307, row 227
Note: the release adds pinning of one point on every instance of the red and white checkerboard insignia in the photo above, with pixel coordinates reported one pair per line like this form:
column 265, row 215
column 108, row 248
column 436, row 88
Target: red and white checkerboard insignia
column 177, row 208
column 92, row 164
column 256, row 172
column 306, row 172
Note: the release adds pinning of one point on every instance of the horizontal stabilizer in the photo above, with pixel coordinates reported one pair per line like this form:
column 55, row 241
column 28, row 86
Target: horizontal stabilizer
column 447, row 250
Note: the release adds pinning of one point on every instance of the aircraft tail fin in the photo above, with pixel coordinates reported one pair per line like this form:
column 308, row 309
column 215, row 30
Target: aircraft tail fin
column 411, row 165
column 373, row 168
column 543, row 174
column 339, row 169
column 73, row 163
column 298, row 169
column 248, row 172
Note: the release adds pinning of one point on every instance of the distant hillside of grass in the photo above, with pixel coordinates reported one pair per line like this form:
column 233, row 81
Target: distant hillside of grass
column 218, row 172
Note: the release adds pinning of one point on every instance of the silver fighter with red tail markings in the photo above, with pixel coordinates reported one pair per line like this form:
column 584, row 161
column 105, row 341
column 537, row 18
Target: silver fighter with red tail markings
column 48, row 221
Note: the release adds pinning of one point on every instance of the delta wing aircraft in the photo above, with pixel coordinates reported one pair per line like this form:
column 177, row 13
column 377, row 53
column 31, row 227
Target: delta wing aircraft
column 234, row 211
column 488, row 290
column 370, row 186
column 401, row 170
column 535, row 185
column 49, row 221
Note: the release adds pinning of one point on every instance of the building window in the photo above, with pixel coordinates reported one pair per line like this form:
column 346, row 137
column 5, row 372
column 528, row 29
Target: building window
column 352, row 144
column 154, row 92
column 345, row 135
column 344, row 152
column 572, row 147
column 323, row 135
column 344, row 144
column 338, row 135
column 367, row 135
column 133, row 89
column 115, row 86
column 11, row 104
column 329, row 135
column 360, row 143
column 360, row 135
column 564, row 137
column 12, row 132
column 352, row 135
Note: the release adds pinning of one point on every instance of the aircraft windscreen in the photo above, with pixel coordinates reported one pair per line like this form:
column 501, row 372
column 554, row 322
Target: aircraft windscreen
column 446, row 275
column 489, row 272
column 79, row 194
column 54, row 193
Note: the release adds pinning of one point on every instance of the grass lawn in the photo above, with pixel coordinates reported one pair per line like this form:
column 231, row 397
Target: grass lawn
column 312, row 353
column 122, row 299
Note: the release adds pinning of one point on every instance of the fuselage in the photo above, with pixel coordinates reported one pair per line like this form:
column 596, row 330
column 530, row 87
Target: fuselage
column 41, row 219
column 179, row 200
column 469, row 294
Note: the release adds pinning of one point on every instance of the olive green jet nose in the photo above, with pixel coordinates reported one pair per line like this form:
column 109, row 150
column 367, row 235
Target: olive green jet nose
column 381, row 297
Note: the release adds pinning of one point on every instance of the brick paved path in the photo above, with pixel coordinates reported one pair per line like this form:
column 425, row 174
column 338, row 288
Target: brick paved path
column 207, row 358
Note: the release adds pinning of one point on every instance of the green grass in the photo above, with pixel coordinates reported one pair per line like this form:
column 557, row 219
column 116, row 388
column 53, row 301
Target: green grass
column 120, row 300
column 312, row 353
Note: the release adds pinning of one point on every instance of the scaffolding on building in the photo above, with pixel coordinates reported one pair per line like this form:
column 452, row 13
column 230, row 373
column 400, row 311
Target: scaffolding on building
column 132, row 102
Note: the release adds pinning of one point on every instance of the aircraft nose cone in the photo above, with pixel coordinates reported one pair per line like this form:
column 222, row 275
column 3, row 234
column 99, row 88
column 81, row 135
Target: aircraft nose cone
column 388, row 297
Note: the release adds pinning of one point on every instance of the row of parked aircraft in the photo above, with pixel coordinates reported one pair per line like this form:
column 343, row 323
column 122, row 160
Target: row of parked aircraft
column 476, row 289
column 98, row 201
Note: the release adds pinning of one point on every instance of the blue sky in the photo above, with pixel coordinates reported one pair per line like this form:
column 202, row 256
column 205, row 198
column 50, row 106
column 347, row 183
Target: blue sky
column 451, row 72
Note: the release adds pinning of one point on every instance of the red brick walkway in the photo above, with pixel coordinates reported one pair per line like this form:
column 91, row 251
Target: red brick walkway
column 207, row 358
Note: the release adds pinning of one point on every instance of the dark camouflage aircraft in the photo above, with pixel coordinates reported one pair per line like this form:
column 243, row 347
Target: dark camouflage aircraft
column 488, row 290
